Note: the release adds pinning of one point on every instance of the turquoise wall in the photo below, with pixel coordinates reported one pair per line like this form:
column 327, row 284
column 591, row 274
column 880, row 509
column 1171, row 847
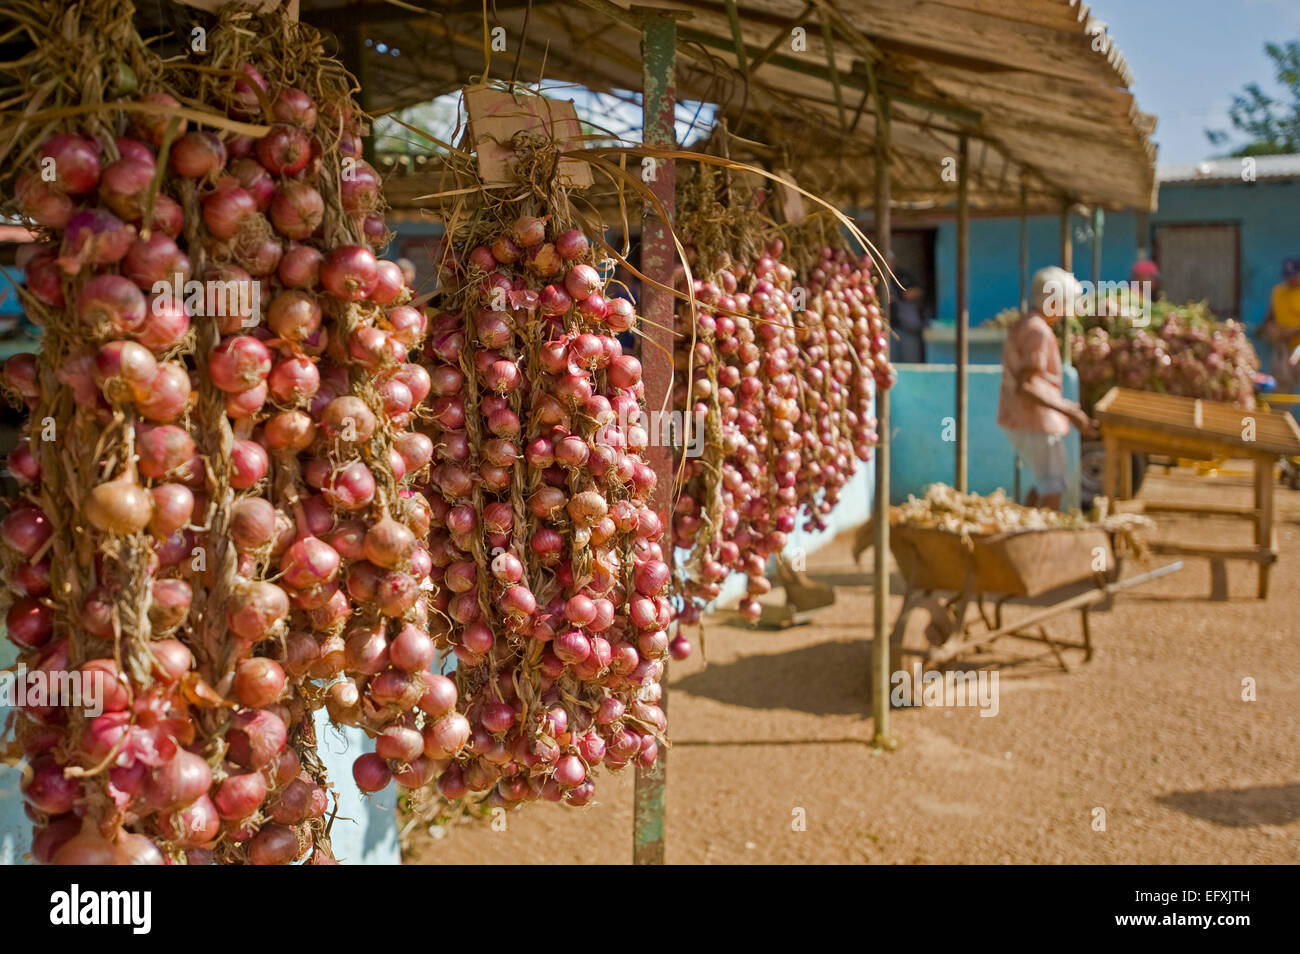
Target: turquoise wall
column 1265, row 211
column 995, row 258
column 924, row 397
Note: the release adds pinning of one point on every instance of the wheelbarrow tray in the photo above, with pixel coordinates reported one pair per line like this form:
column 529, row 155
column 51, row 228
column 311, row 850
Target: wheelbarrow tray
column 1015, row 563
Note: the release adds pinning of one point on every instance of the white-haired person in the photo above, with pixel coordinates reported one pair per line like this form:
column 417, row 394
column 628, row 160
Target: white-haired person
column 1032, row 411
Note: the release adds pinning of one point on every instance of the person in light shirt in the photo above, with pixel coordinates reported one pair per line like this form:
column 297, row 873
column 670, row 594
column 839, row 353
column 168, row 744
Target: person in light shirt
column 1032, row 411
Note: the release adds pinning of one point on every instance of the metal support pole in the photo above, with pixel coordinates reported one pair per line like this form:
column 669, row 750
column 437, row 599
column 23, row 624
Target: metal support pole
column 1067, row 263
column 1024, row 249
column 963, row 305
column 1098, row 228
column 1067, row 240
column 881, row 667
column 658, row 53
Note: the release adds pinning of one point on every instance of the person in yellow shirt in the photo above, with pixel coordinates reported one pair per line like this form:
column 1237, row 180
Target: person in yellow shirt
column 1281, row 326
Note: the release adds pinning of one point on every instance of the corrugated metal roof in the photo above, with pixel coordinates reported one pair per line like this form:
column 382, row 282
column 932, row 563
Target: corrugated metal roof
column 1244, row 169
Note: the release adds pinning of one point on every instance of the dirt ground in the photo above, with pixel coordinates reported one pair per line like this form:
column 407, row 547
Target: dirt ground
column 1154, row 732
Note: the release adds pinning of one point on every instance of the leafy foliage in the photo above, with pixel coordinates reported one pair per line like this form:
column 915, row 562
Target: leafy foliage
column 1271, row 123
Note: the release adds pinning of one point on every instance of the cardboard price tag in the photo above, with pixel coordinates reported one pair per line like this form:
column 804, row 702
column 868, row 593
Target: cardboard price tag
column 793, row 208
column 495, row 116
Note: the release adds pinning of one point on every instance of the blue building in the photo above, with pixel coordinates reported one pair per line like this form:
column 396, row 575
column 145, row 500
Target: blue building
column 1220, row 232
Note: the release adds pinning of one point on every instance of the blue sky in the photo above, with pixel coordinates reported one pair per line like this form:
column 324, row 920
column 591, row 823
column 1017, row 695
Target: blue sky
column 1189, row 56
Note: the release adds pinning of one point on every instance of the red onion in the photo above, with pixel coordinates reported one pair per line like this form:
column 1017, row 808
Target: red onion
column 167, row 393
column 172, row 660
column 110, row 304
column 165, row 325
column 227, row 209
column 197, row 154
column 528, row 231
column 297, row 209
column 255, row 738
column 42, row 202
column 73, row 159
column 255, row 609
column 293, row 315
column 294, row 380
column 350, row 272
column 361, row 187
column 119, row 506
column 351, row 488
column 285, row 150
column 48, row 790
column 258, row 682
column 182, row 780
column 294, row 106
column 95, row 237
column 572, row 245
column 582, row 280
column 274, row 845
column 249, row 463
column 309, row 561
column 300, row 267
column 412, row 649
column 26, row 529
column 156, row 259
column 87, row 847
column 371, row 773
column 239, row 363
column 44, row 279
column 238, row 796
column 125, row 186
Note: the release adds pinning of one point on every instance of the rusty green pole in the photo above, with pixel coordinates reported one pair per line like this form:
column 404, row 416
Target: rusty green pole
column 658, row 54
column 881, row 665
column 963, row 308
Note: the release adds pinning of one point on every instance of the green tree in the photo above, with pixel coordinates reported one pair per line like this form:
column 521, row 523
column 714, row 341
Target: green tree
column 1270, row 124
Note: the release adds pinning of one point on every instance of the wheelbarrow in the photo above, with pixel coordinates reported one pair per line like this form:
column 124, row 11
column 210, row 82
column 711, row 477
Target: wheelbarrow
column 952, row 579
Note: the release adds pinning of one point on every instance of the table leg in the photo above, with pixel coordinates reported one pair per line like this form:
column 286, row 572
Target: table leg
column 1124, row 463
column 1111, row 467
column 1219, row 580
column 1264, row 517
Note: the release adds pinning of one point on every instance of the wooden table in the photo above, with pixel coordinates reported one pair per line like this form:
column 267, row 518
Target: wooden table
column 1144, row 422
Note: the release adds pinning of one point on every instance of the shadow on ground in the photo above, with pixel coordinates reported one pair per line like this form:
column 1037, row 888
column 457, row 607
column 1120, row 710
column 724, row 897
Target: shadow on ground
column 828, row 678
column 1240, row 807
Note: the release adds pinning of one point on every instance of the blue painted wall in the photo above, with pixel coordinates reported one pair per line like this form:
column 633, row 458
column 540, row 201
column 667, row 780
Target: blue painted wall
column 924, row 397
column 995, row 258
column 1265, row 211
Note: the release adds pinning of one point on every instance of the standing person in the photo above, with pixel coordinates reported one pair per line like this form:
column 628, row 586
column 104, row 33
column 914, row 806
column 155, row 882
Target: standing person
column 906, row 318
column 1032, row 411
column 1145, row 270
column 1281, row 326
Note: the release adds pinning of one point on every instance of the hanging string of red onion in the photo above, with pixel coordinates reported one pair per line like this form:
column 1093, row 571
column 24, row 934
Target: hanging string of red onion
column 782, row 377
column 844, row 359
column 544, row 547
column 220, row 499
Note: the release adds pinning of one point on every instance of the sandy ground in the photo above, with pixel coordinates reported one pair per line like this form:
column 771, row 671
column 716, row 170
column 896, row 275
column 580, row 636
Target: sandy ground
column 1153, row 733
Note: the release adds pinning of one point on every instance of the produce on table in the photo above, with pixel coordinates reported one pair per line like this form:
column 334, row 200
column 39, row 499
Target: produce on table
column 781, row 380
column 1177, row 349
column 205, row 470
column 551, row 580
